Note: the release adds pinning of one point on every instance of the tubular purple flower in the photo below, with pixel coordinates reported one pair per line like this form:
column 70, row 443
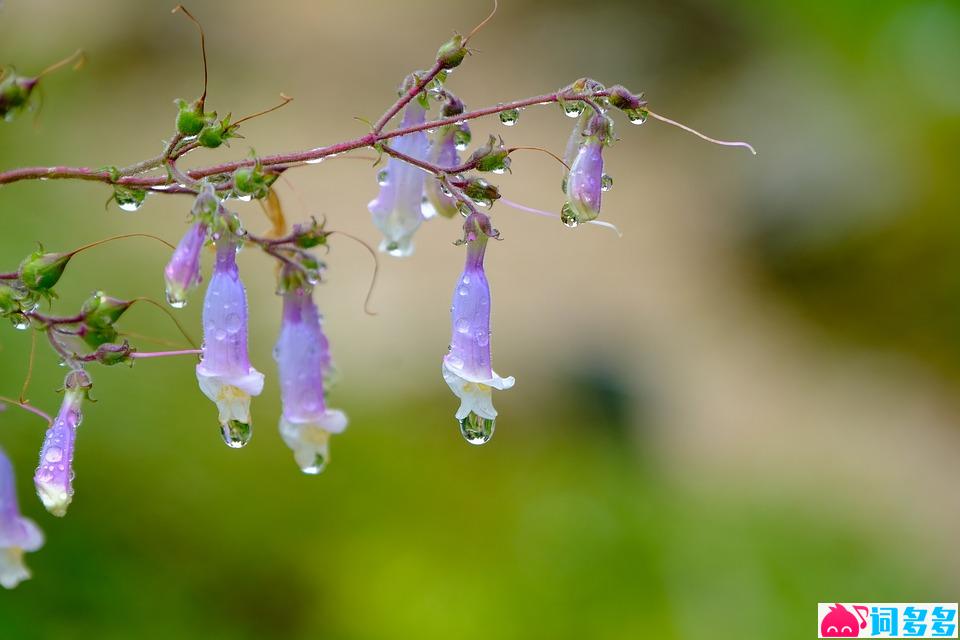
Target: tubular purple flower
column 17, row 534
column 397, row 209
column 182, row 273
column 467, row 367
column 302, row 353
column 224, row 372
column 585, row 182
column 54, row 476
column 443, row 153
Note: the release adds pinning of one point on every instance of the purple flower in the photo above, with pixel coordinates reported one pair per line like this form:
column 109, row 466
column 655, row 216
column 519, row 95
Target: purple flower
column 585, row 182
column 303, row 360
column 54, row 476
column 224, row 372
column 443, row 153
column 17, row 534
column 182, row 273
column 467, row 367
column 397, row 208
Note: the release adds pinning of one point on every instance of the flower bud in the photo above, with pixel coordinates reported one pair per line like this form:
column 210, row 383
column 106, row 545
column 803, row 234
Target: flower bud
column 308, row 237
column 216, row 133
column 41, row 271
column 452, row 52
column 15, row 92
column 103, row 310
column 252, row 181
column 96, row 335
column 111, row 354
column 491, row 157
column 191, row 119
column 584, row 183
column 182, row 273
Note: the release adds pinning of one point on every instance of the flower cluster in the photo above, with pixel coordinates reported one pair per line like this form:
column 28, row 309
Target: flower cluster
column 424, row 178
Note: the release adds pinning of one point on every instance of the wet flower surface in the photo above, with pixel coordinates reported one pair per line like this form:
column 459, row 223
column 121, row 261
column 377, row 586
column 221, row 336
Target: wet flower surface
column 224, row 373
column 467, row 367
column 17, row 534
column 302, row 353
column 54, row 476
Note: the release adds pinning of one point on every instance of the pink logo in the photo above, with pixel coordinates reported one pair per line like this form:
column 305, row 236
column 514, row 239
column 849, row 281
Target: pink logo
column 840, row 623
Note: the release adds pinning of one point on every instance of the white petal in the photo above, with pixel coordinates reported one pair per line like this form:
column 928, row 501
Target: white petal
column 12, row 569
column 476, row 395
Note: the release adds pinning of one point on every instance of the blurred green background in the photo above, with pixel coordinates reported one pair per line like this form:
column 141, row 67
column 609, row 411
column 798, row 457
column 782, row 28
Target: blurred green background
column 745, row 406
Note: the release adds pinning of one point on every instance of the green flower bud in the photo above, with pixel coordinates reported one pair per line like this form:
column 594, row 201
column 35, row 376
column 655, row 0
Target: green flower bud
column 100, row 310
column 191, row 119
column 216, row 133
column 95, row 336
column 41, row 271
column 481, row 191
column 111, row 354
column 15, row 92
column 452, row 52
column 8, row 300
column 252, row 181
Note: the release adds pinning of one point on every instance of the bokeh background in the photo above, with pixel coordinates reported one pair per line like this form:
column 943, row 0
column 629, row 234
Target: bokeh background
column 746, row 405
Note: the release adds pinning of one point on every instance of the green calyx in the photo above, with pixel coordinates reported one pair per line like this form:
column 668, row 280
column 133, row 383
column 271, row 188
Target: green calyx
column 452, row 52
column 101, row 310
column 253, row 181
column 191, row 118
column 40, row 271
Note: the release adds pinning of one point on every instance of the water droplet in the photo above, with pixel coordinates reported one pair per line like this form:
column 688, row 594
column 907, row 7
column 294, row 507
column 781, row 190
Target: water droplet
column 45, row 474
column 54, row 454
column 461, row 139
column 129, row 205
column 20, row 321
column 219, row 335
column 463, row 291
column 175, row 300
column 314, row 161
column 462, row 325
column 568, row 216
column 636, row 116
column 466, row 278
column 383, row 177
column 233, row 322
column 236, row 434
column 245, row 198
column 477, row 430
column 129, row 199
column 606, row 182
column 319, row 464
column 573, row 109
column 483, row 338
column 500, row 171
column 509, row 117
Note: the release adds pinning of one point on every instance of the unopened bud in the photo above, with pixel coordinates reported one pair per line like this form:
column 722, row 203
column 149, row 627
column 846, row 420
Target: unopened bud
column 103, row 310
column 41, row 271
column 191, row 119
column 452, row 52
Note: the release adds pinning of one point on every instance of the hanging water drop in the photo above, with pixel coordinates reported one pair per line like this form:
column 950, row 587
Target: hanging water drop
column 236, row 434
column 383, row 178
column 461, row 139
column 20, row 321
column 636, row 116
column 175, row 300
column 477, row 430
column 509, row 117
column 568, row 216
column 319, row 464
column 573, row 109
column 129, row 199
column 606, row 182
column 314, row 161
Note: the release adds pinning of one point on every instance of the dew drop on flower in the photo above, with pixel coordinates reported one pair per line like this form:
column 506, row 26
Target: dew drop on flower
column 20, row 321
column 383, row 177
column 568, row 216
column 54, row 454
column 319, row 464
column 636, row 116
column 509, row 117
column 606, row 182
column 477, row 430
column 236, row 434
column 462, row 325
column 573, row 109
